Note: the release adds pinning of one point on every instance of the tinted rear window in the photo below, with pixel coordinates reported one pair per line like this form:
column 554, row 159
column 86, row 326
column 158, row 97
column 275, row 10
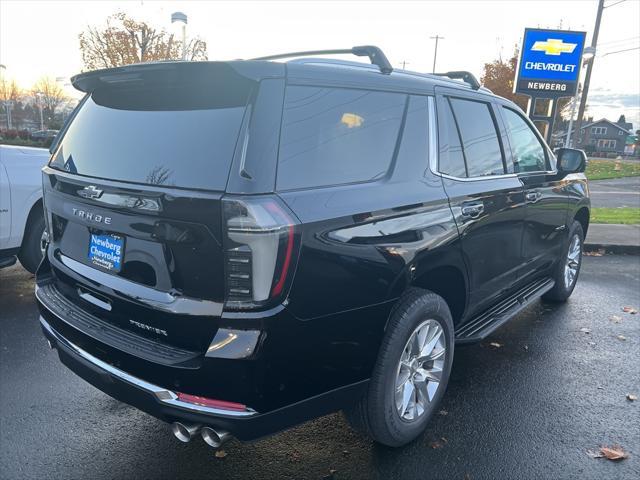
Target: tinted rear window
column 175, row 134
column 451, row 156
column 333, row 136
column 479, row 137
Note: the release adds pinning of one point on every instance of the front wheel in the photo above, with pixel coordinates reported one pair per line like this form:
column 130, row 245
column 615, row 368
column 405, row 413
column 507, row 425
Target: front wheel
column 411, row 372
column 568, row 268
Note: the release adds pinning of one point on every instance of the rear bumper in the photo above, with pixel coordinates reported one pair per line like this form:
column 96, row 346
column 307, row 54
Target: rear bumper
column 164, row 404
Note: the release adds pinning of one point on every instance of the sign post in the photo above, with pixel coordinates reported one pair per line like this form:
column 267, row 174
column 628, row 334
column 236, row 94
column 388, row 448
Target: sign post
column 549, row 68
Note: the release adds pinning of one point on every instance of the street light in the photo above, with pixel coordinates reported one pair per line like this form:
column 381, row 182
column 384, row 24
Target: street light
column 587, row 55
column 181, row 18
column 39, row 96
column 7, row 101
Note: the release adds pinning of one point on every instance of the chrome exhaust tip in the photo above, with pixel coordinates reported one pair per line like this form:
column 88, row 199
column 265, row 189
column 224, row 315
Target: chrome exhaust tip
column 183, row 432
column 214, row 438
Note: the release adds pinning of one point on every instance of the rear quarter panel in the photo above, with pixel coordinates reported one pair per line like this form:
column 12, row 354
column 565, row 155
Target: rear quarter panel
column 23, row 167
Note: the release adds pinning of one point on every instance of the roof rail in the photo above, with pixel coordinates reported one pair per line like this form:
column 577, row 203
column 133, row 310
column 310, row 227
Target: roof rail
column 376, row 56
column 466, row 77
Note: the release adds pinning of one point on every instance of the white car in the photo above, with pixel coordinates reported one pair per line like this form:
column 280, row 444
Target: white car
column 22, row 227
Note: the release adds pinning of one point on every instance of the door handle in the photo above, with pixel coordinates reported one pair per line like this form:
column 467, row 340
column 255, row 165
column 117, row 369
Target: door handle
column 472, row 210
column 532, row 196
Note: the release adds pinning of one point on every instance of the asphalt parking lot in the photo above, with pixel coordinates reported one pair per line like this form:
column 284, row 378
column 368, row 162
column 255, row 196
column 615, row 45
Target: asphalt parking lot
column 615, row 193
column 552, row 388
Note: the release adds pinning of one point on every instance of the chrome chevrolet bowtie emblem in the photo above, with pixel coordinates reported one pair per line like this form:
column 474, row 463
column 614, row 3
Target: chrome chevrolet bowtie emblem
column 90, row 192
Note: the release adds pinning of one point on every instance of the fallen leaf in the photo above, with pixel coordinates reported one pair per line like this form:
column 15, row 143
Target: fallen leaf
column 621, row 337
column 614, row 452
column 220, row 454
column 596, row 253
column 585, row 330
column 496, row 345
column 593, row 454
column 630, row 310
column 616, row 319
column 631, row 397
column 436, row 444
column 330, row 475
column 443, row 412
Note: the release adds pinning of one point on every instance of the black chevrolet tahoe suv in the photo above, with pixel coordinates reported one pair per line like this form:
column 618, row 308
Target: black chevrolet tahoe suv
column 238, row 247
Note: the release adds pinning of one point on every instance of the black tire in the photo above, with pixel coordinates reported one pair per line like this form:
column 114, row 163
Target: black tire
column 561, row 291
column 30, row 254
column 376, row 414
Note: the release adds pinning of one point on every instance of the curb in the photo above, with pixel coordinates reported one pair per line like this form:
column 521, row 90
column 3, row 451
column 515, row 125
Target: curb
column 612, row 248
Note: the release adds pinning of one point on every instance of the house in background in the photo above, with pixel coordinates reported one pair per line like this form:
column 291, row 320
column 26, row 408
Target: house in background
column 604, row 136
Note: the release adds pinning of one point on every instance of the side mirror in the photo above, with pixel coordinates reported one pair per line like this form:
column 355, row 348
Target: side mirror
column 571, row 160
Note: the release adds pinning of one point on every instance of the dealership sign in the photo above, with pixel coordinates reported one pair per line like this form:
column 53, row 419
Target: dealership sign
column 549, row 63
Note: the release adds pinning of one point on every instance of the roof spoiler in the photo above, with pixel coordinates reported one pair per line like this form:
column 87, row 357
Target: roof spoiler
column 376, row 56
column 172, row 71
column 466, row 77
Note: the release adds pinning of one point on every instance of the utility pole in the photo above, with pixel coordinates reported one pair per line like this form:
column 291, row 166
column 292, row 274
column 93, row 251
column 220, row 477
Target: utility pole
column 587, row 78
column 435, row 52
column 404, row 64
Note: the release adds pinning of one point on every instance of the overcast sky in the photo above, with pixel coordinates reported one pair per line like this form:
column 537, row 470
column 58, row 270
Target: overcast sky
column 41, row 37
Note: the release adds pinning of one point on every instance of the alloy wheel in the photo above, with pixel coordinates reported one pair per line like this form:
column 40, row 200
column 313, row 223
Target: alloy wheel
column 573, row 261
column 420, row 370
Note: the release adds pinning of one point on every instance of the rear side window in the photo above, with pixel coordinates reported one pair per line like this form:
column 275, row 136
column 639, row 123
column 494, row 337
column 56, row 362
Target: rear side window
column 528, row 152
column 480, row 143
column 333, row 136
column 181, row 135
column 451, row 156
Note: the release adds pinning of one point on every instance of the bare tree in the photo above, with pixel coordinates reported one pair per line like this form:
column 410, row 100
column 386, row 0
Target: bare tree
column 9, row 90
column 51, row 95
column 124, row 41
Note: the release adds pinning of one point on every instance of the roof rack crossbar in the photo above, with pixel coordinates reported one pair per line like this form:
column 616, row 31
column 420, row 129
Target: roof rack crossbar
column 466, row 77
column 376, row 56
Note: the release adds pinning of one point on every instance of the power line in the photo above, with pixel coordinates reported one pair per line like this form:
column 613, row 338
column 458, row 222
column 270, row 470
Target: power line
column 620, row 51
column 622, row 40
column 614, row 4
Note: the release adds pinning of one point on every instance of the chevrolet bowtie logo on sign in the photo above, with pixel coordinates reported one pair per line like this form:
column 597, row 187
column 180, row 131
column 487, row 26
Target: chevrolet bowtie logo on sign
column 550, row 63
column 554, row 46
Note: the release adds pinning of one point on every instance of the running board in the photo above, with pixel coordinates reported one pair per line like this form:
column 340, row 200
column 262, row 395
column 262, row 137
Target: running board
column 479, row 327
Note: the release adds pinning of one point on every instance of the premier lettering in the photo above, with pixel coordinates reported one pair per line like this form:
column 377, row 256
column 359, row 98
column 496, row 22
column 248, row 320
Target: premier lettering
column 552, row 67
column 560, row 87
column 144, row 326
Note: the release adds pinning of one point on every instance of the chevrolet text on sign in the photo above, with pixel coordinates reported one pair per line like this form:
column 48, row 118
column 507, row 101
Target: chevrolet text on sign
column 549, row 62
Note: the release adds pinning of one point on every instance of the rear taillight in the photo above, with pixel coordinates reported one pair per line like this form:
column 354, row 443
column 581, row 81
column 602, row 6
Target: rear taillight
column 260, row 251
